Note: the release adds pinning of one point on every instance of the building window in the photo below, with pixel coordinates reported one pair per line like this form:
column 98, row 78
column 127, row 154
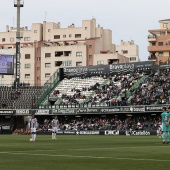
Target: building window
column 27, row 76
column 27, row 65
column 27, row 38
column 165, row 25
column 160, row 43
column 3, row 39
column 38, row 68
column 47, row 74
column 49, row 30
column 27, row 56
column 132, row 58
column 67, row 63
column 100, row 62
column 58, row 63
column 39, row 49
column 125, row 51
column 90, row 56
column 47, row 65
column 90, row 46
column 56, row 36
column 47, row 55
column 78, row 63
column 35, row 31
column 64, row 36
column 69, row 35
column 85, row 28
column 38, row 58
column 77, row 35
column 78, row 54
column 38, row 78
column 11, row 39
column 167, row 42
column 160, row 54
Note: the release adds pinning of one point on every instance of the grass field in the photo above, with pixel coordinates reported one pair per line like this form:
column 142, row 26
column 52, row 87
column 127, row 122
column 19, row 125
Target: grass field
column 83, row 153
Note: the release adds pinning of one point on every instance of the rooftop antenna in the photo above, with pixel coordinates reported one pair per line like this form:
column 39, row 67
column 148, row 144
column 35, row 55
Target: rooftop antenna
column 13, row 21
column 92, row 16
column 45, row 15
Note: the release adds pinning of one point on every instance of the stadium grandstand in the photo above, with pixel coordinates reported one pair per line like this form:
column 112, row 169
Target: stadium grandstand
column 85, row 96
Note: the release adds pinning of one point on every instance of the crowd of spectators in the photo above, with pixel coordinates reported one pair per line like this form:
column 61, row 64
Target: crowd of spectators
column 15, row 94
column 22, row 131
column 113, row 93
column 105, row 123
column 79, row 95
column 154, row 90
column 125, row 123
column 120, row 90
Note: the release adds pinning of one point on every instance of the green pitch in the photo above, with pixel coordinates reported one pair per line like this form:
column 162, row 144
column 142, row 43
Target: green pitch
column 83, row 153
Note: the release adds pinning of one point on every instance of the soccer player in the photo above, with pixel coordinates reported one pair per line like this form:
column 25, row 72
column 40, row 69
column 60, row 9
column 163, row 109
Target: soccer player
column 165, row 125
column 55, row 125
column 168, row 126
column 33, row 124
column 159, row 131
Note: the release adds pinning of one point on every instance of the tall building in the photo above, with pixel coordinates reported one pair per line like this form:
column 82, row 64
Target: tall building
column 129, row 49
column 47, row 46
column 159, row 43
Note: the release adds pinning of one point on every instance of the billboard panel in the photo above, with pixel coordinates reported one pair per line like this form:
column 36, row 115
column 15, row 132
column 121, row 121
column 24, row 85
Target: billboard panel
column 6, row 64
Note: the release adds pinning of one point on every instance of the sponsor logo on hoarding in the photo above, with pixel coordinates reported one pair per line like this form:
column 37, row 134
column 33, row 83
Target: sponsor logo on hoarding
column 111, row 132
column 6, row 127
column 137, row 109
column 110, row 110
column 64, row 111
column 6, row 111
column 138, row 133
column 42, row 112
column 153, row 108
column 87, row 132
column 22, row 111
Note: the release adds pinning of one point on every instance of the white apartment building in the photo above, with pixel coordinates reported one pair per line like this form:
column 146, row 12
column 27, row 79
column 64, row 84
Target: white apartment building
column 129, row 49
column 47, row 47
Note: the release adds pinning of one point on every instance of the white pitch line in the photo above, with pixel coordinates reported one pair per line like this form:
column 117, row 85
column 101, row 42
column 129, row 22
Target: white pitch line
column 135, row 159
column 119, row 148
column 89, row 149
column 51, row 155
column 79, row 156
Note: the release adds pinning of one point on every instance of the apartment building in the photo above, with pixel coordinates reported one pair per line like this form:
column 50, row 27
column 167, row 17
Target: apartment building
column 46, row 47
column 159, row 43
column 128, row 49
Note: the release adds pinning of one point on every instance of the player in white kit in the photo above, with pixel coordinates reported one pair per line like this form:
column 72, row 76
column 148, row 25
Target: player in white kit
column 55, row 125
column 33, row 124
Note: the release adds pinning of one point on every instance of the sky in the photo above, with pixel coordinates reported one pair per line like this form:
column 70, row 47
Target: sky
column 127, row 19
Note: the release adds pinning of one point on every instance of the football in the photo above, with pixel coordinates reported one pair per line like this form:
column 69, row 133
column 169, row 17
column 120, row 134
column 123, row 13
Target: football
column 31, row 140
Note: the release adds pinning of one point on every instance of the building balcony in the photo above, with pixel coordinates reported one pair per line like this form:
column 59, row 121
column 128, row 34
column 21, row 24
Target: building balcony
column 158, row 48
column 151, row 38
column 152, row 58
